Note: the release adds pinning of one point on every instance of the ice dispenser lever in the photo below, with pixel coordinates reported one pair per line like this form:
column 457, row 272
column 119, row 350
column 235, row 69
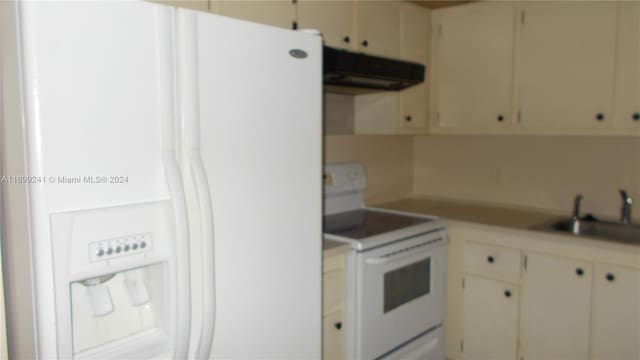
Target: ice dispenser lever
column 137, row 289
column 99, row 296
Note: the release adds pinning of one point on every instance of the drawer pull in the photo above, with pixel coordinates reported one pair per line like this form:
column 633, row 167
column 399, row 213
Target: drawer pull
column 491, row 259
column 338, row 325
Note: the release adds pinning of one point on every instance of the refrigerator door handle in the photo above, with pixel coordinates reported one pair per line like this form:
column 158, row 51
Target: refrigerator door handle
column 183, row 277
column 199, row 175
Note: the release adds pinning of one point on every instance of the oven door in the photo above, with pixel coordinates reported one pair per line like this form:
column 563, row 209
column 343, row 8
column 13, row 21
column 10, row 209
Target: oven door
column 401, row 292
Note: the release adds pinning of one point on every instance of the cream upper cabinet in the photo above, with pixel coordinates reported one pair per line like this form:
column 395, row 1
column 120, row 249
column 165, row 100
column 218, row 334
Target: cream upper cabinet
column 627, row 90
column 335, row 19
column 472, row 73
column 201, row 5
column 415, row 33
column 490, row 319
column 556, row 308
column 413, row 109
column 414, row 102
column 615, row 316
column 269, row 12
column 378, row 26
column 565, row 66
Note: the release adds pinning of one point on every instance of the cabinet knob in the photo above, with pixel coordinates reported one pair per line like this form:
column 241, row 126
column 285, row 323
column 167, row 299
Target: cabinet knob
column 490, row 259
column 407, row 118
column 338, row 325
column 507, row 293
column 579, row 271
column 500, row 118
column 346, row 39
column 636, row 116
column 600, row 116
column 610, row 277
column 365, row 43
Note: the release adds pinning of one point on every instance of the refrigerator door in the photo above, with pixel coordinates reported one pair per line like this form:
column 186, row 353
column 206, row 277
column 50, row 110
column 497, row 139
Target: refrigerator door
column 88, row 105
column 251, row 128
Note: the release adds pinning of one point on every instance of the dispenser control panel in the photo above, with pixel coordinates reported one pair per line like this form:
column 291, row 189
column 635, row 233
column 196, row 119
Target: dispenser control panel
column 122, row 246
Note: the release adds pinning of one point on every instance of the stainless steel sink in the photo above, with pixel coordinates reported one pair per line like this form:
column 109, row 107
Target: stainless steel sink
column 625, row 233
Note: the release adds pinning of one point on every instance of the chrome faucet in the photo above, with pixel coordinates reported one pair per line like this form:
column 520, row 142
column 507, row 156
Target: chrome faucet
column 625, row 211
column 575, row 219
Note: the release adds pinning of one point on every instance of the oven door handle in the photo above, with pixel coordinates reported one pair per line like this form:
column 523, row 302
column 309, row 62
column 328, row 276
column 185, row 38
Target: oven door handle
column 389, row 258
column 413, row 251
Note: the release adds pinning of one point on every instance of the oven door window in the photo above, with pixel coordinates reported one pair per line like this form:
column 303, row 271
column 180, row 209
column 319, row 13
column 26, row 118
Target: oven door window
column 406, row 283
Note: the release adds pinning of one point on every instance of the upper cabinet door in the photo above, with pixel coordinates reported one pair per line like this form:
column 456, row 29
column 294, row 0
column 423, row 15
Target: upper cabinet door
column 415, row 33
column 379, row 28
column 269, row 12
column 627, row 91
column 566, row 61
column 472, row 71
column 201, row 5
column 335, row 19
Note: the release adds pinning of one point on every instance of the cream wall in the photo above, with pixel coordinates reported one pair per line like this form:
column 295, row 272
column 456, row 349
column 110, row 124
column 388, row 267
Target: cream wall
column 388, row 160
column 539, row 172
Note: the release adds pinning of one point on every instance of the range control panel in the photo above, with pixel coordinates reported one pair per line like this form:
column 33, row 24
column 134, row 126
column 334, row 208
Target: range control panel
column 122, row 246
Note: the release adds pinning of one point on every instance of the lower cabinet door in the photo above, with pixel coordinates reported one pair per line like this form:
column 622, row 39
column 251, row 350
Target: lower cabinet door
column 490, row 319
column 333, row 336
column 556, row 308
column 615, row 313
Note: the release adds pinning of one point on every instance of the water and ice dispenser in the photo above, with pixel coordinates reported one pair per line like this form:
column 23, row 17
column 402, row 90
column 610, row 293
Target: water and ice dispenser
column 115, row 281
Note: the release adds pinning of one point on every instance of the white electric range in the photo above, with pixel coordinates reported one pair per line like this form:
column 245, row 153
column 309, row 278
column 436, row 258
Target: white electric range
column 396, row 273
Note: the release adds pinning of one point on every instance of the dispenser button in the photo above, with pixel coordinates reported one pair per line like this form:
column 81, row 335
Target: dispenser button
column 127, row 247
column 134, row 246
column 143, row 245
column 109, row 251
column 100, row 252
column 118, row 249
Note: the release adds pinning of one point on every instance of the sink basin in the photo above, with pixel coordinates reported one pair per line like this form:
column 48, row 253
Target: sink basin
column 629, row 234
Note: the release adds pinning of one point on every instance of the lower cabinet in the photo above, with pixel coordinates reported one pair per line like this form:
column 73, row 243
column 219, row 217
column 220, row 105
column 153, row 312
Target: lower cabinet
column 490, row 319
column 556, row 307
column 333, row 308
column 541, row 303
column 615, row 316
column 333, row 336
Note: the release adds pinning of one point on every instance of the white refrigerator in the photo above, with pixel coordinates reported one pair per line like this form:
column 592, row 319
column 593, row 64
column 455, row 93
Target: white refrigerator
column 161, row 184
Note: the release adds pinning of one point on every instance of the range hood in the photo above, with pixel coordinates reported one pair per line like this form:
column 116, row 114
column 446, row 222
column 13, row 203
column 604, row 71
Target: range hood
column 356, row 73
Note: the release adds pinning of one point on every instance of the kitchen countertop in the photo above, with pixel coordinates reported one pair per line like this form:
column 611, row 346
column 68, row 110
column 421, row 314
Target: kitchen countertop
column 331, row 248
column 473, row 212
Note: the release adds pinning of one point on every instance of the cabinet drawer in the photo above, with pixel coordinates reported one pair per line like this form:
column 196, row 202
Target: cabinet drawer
column 492, row 260
column 331, row 263
column 333, row 291
column 333, row 336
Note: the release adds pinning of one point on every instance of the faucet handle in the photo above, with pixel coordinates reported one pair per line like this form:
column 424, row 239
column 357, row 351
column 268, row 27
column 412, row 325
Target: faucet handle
column 626, row 198
column 576, row 205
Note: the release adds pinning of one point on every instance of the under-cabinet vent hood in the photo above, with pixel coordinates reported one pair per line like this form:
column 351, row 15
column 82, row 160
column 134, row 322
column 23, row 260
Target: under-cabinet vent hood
column 356, row 73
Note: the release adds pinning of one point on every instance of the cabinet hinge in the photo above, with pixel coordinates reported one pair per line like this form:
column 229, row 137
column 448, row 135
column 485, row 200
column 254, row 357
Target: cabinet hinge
column 519, row 116
column 463, row 282
column 522, row 16
column 461, row 345
column 525, row 262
